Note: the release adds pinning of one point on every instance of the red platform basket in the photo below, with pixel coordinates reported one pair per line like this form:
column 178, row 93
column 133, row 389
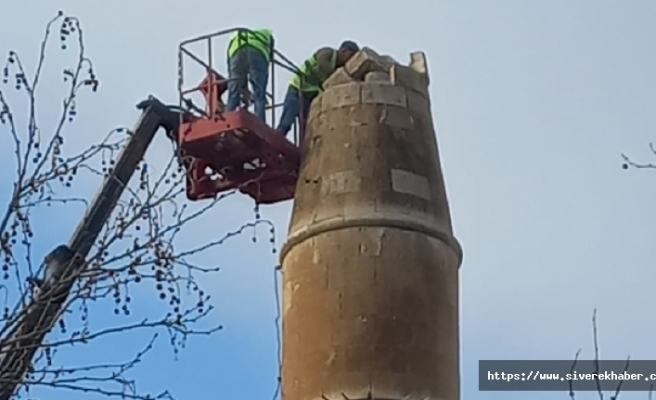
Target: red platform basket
column 232, row 150
column 238, row 151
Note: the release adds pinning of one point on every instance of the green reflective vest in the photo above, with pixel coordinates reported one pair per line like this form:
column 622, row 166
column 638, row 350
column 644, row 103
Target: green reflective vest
column 260, row 39
column 308, row 79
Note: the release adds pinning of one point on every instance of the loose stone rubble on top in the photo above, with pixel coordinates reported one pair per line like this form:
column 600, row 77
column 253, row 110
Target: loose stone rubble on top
column 369, row 66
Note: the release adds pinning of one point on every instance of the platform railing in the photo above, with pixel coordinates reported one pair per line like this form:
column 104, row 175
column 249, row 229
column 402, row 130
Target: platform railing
column 213, row 108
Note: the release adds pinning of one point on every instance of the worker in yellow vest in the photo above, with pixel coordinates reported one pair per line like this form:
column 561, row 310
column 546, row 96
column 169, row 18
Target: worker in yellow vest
column 307, row 83
column 249, row 56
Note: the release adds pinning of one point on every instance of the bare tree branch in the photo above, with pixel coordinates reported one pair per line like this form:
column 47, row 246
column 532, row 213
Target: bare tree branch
column 138, row 246
column 600, row 392
column 572, row 394
column 629, row 163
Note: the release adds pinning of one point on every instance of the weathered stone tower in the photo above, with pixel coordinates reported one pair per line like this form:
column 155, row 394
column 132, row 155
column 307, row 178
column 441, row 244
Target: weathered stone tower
column 370, row 268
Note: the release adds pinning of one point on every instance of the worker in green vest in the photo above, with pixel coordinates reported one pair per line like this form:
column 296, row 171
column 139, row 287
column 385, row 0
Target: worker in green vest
column 307, row 83
column 249, row 55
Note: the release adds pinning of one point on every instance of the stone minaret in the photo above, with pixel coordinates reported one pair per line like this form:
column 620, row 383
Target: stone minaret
column 370, row 268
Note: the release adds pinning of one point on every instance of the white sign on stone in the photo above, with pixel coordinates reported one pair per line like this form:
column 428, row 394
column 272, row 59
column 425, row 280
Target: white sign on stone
column 409, row 183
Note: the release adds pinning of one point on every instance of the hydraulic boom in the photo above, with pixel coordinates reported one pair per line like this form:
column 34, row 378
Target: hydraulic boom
column 219, row 150
column 40, row 316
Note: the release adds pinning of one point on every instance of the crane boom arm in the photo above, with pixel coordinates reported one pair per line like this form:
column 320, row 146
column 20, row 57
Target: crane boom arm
column 37, row 319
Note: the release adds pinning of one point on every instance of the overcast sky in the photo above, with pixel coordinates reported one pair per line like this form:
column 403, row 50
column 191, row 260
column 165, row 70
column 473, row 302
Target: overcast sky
column 534, row 101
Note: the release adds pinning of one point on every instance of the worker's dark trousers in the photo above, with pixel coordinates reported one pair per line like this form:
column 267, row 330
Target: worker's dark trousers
column 248, row 62
column 296, row 104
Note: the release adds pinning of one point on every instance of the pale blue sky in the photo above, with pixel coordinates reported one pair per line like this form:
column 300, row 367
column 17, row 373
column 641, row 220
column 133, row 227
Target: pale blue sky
column 534, row 100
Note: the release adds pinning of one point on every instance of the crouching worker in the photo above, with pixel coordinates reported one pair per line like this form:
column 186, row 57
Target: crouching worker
column 249, row 55
column 307, row 83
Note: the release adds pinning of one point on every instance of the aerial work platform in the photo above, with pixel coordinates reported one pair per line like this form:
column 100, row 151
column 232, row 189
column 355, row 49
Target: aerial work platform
column 233, row 150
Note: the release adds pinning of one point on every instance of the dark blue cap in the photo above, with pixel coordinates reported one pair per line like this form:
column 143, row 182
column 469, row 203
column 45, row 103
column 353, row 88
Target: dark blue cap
column 349, row 45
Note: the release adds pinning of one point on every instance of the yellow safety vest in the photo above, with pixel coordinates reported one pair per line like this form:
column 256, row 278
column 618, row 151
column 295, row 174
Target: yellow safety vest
column 260, row 39
column 308, row 80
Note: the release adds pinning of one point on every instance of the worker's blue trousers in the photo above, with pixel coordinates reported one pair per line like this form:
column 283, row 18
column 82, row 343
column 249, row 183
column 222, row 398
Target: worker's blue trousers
column 247, row 63
column 296, row 105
